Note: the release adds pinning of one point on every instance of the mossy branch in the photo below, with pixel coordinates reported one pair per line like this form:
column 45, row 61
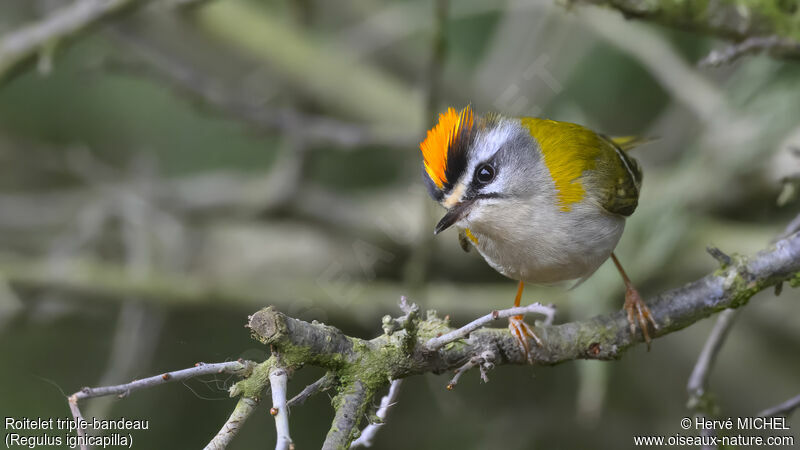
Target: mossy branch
column 776, row 23
column 364, row 367
column 602, row 337
column 361, row 368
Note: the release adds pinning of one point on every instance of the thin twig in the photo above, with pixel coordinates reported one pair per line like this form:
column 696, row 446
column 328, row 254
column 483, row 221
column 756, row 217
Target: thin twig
column 703, row 404
column 42, row 37
column 484, row 361
column 123, row 390
column 405, row 322
column 323, row 384
column 278, row 378
column 535, row 308
column 369, row 432
column 723, row 258
column 785, row 409
column 698, row 380
column 76, row 414
column 750, row 45
column 792, row 228
column 244, row 409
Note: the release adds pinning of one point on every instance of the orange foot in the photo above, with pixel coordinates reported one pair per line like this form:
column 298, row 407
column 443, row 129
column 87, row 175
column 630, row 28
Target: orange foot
column 638, row 313
column 521, row 332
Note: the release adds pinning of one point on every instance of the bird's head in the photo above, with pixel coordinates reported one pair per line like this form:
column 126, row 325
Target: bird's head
column 479, row 167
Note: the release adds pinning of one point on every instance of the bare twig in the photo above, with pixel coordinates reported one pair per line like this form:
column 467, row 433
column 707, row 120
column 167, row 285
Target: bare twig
column 721, row 257
column 748, row 46
column 784, row 409
column 535, row 308
column 42, row 37
column 408, row 321
column 407, row 307
column 76, row 414
column 323, row 384
column 698, row 381
column 792, row 228
column 244, row 409
column 369, row 432
column 278, row 377
column 484, row 361
column 123, row 390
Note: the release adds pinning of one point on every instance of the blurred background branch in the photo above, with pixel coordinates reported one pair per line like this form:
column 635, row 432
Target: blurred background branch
column 43, row 38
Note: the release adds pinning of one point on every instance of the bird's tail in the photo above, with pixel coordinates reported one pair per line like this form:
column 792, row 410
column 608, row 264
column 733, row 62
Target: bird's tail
column 627, row 143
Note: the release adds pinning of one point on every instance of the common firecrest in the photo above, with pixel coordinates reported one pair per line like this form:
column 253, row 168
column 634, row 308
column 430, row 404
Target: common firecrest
column 542, row 201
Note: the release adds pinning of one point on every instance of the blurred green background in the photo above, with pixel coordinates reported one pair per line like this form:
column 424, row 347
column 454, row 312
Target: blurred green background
column 179, row 167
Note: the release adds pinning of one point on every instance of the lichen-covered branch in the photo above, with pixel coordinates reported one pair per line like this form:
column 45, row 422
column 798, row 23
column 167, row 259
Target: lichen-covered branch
column 603, row 337
column 361, row 367
column 365, row 366
column 244, row 409
column 735, row 20
column 350, row 405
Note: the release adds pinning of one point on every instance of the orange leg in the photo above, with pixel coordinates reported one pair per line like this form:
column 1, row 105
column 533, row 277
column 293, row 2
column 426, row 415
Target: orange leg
column 521, row 330
column 635, row 307
column 518, row 298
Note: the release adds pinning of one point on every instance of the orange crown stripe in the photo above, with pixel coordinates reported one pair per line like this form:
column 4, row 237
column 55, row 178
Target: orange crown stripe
column 436, row 145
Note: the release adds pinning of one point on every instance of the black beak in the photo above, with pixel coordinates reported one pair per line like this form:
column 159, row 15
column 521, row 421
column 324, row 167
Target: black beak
column 453, row 215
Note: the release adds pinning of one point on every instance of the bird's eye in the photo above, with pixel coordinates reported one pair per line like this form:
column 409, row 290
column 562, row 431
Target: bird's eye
column 484, row 173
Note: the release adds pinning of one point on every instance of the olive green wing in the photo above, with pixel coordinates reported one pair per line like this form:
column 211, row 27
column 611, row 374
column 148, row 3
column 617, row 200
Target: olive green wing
column 463, row 241
column 618, row 177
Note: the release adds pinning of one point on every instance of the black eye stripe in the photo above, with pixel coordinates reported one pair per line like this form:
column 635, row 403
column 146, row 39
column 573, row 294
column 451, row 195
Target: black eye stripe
column 490, row 195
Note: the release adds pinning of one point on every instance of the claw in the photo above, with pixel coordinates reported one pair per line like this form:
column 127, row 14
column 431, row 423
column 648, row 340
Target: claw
column 638, row 312
column 521, row 331
column 635, row 305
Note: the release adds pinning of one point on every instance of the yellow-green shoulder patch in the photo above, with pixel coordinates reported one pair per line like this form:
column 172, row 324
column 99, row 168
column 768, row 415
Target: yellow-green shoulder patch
column 568, row 150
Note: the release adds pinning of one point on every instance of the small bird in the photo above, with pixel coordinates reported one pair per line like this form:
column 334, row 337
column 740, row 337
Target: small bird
column 542, row 201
